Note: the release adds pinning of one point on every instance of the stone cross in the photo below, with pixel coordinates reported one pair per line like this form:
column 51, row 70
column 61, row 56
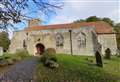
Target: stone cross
column 1, row 51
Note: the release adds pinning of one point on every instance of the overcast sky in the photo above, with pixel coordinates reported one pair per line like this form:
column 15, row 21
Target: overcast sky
column 81, row 9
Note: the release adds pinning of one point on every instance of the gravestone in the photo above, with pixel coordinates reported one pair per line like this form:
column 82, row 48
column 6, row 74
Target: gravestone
column 1, row 51
column 98, row 59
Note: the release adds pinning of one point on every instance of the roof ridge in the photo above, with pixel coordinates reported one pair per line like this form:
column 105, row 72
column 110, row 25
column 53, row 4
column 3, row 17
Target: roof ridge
column 69, row 23
column 101, row 26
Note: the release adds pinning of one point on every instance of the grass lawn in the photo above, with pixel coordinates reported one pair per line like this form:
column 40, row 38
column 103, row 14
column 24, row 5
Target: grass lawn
column 80, row 69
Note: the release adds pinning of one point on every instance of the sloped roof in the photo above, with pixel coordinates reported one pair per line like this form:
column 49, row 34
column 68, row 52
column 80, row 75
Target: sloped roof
column 100, row 27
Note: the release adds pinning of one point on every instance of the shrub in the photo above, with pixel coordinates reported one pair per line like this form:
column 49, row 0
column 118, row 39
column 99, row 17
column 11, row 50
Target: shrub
column 6, row 59
column 51, row 64
column 10, row 61
column 49, row 59
column 51, row 50
column 98, row 59
column 107, row 53
column 22, row 54
column 3, row 63
column 118, row 55
column 6, row 55
column 17, row 58
column 48, row 55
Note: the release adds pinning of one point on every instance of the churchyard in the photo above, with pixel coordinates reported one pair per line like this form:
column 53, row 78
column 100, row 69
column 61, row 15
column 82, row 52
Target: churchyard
column 80, row 69
column 71, row 68
column 59, row 41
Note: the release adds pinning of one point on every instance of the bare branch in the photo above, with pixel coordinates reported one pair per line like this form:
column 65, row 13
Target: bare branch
column 11, row 11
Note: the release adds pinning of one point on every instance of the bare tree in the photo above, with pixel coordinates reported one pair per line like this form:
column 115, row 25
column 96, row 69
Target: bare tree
column 11, row 11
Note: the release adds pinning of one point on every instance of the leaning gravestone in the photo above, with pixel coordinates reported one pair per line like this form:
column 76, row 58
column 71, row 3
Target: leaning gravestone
column 1, row 51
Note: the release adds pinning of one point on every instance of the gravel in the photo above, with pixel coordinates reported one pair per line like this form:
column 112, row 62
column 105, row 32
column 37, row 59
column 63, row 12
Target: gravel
column 20, row 72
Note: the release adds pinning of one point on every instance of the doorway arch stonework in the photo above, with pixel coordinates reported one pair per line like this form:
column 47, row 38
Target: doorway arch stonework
column 40, row 48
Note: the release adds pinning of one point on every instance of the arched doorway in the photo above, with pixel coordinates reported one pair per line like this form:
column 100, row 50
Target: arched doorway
column 40, row 48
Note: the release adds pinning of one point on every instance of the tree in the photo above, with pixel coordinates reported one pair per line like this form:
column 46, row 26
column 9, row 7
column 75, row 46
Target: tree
column 89, row 19
column 11, row 11
column 117, row 30
column 4, row 40
column 93, row 19
column 108, row 20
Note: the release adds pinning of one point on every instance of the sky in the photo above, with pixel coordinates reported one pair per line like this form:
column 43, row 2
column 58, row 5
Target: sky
column 75, row 10
column 81, row 9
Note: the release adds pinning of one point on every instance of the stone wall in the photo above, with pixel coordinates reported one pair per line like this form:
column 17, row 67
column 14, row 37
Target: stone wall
column 89, row 48
column 47, row 38
column 17, row 41
column 108, row 41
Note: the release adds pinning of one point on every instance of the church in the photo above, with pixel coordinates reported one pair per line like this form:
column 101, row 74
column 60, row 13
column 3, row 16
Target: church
column 84, row 38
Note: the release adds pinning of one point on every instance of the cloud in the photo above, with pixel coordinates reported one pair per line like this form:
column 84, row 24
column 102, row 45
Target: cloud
column 81, row 9
column 119, row 11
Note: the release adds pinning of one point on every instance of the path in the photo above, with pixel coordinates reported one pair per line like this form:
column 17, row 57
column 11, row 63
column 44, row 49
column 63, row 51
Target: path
column 20, row 72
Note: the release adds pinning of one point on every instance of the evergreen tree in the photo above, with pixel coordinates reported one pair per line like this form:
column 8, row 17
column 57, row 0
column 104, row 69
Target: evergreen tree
column 4, row 41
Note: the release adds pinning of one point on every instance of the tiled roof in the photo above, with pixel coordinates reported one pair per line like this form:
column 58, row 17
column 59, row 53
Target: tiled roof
column 100, row 27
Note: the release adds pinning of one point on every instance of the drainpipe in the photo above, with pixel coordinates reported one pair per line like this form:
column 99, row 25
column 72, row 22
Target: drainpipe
column 71, row 48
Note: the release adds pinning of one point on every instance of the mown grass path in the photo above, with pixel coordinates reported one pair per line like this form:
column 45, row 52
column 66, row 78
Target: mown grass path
column 20, row 72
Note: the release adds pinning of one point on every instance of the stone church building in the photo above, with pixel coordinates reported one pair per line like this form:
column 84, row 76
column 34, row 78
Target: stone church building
column 83, row 38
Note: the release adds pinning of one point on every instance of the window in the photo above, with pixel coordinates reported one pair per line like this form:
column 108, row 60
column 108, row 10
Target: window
column 24, row 44
column 27, row 34
column 59, row 40
column 81, row 40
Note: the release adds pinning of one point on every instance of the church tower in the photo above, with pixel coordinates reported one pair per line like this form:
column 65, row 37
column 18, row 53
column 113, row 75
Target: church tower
column 34, row 22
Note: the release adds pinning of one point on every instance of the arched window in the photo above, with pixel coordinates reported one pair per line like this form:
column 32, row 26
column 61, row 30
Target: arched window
column 81, row 40
column 59, row 40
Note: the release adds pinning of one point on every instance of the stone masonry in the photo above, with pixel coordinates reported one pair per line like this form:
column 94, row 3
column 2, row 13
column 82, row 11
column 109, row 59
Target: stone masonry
column 86, row 39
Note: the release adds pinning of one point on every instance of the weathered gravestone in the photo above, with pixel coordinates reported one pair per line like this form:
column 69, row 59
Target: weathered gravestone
column 1, row 51
column 118, row 53
column 98, row 59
